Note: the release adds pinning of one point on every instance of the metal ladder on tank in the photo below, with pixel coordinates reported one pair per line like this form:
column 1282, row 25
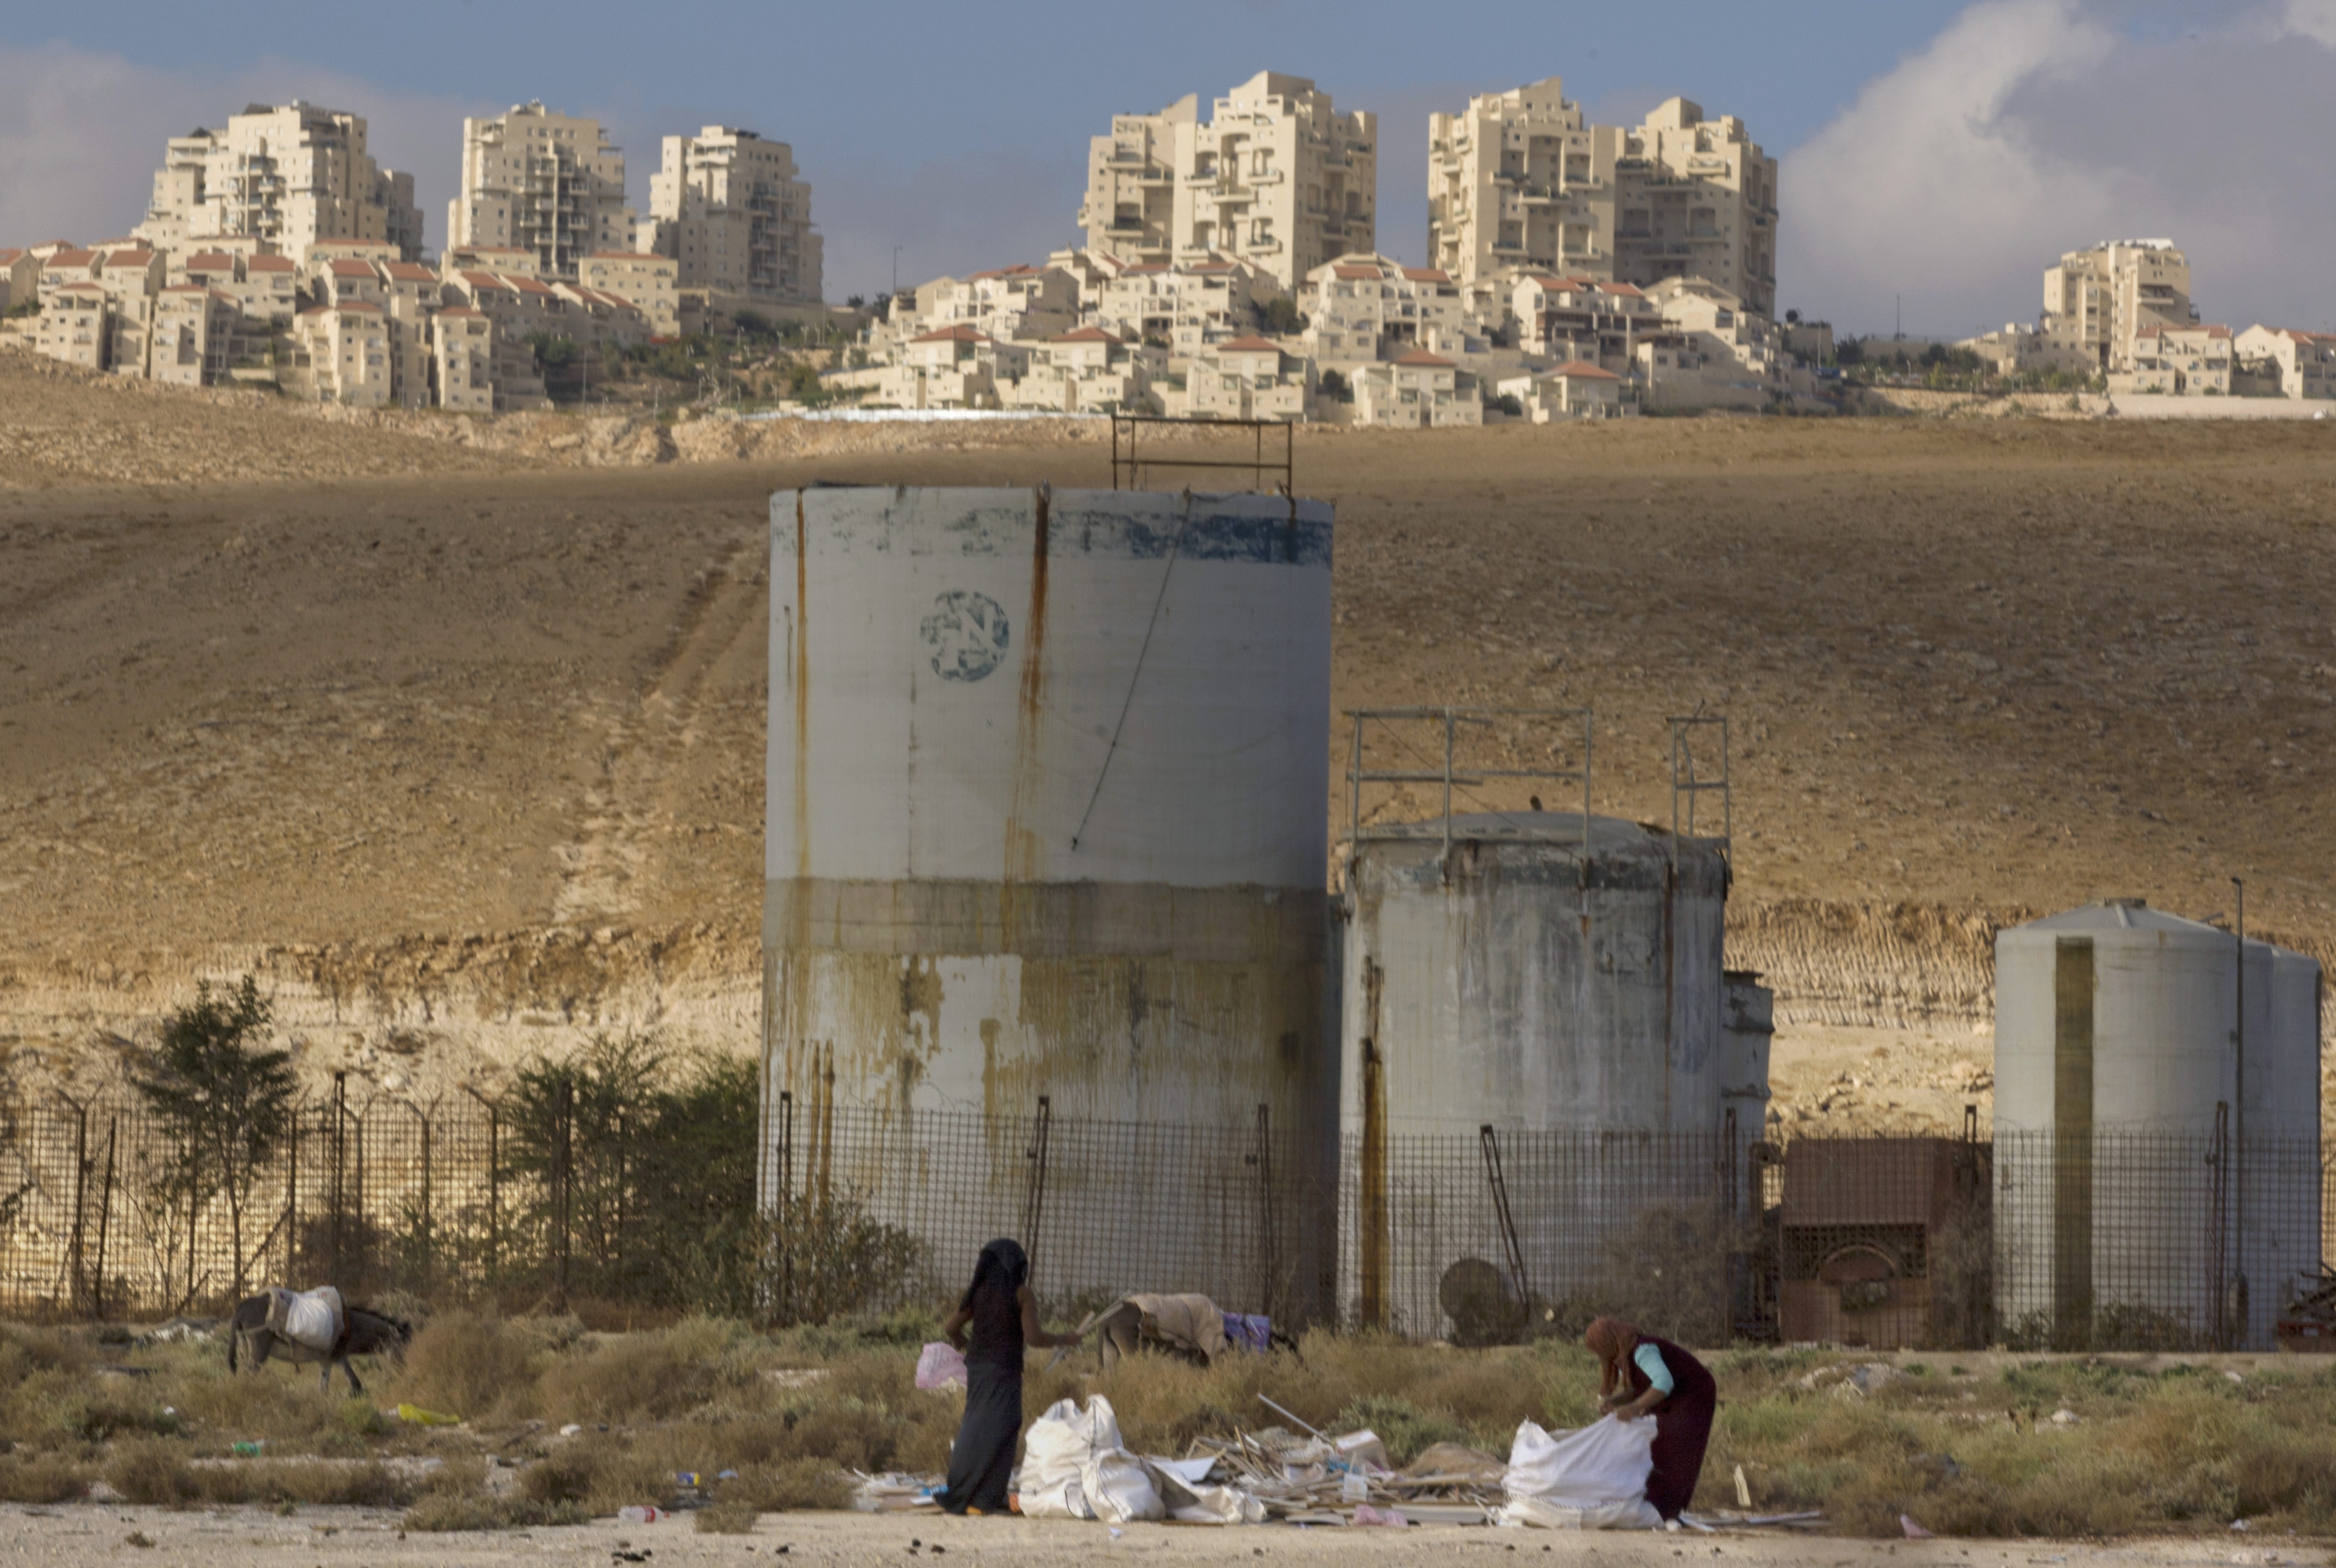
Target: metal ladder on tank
column 1694, row 739
column 1423, row 733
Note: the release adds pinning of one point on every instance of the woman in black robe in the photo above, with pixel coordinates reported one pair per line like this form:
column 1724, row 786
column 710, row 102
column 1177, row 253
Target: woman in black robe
column 998, row 1318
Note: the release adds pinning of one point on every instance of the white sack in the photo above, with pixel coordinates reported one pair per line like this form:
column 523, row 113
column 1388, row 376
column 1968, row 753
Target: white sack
column 1117, row 1487
column 313, row 1318
column 1593, row 1478
column 1191, row 1498
column 1055, row 1455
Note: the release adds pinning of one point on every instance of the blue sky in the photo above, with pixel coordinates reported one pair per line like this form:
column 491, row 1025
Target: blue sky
column 1936, row 149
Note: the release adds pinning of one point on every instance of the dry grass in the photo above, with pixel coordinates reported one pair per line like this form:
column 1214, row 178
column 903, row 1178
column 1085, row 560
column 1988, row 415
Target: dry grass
column 727, row 1519
column 1964, row 1452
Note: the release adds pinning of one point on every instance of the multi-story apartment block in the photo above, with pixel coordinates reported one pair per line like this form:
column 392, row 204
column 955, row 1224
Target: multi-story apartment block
column 729, row 207
column 1520, row 179
column 952, row 367
column 2192, row 361
column 1181, row 307
column 346, row 353
column 1576, row 389
column 542, row 181
column 193, row 336
column 1008, row 304
column 1088, row 371
column 2097, row 302
column 1359, row 308
column 1246, row 378
column 20, row 277
column 1275, row 176
column 1418, row 389
column 1581, row 318
column 462, row 368
column 650, row 282
column 2289, row 363
column 283, row 177
column 76, row 325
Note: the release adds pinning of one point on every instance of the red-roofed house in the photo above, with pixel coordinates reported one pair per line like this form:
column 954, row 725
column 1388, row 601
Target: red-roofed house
column 1574, row 390
column 2178, row 361
column 2287, row 363
column 1181, row 307
column 652, row 283
column 1247, row 377
column 952, row 367
column 1088, row 371
column 1418, row 389
column 1007, row 303
column 1582, row 319
column 1362, row 308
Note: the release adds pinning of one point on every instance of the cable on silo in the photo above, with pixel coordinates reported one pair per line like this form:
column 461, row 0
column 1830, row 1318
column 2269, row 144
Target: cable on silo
column 1175, row 548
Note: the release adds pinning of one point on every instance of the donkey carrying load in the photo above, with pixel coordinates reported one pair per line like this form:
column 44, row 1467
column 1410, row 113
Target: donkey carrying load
column 312, row 1326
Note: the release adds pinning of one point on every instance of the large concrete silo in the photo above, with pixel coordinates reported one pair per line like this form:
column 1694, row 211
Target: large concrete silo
column 1563, row 990
column 1046, row 820
column 2133, row 1191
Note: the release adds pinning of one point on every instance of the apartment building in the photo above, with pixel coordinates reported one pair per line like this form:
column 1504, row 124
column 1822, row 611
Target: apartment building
column 75, row 326
column 192, row 341
column 264, row 288
column 20, row 277
column 1087, row 371
column 1576, row 389
column 282, row 178
column 462, row 360
column 1244, row 378
column 732, row 211
column 1520, row 179
column 542, row 181
column 649, row 281
column 2189, row 361
column 2286, row 363
column 1598, row 323
column 1007, row 303
column 1418, row 390
column 1179, row 308
column 955, row 366
column 1359, row 307
column 2097, row 302
column 344, row 350
column 1275, row 176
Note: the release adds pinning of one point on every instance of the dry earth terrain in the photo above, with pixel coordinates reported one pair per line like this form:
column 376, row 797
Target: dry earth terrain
column 452, row 730
column 74, row 1536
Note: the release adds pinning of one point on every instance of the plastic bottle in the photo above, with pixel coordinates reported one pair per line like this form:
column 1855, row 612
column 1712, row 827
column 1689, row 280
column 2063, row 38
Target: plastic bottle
column 641, row 1514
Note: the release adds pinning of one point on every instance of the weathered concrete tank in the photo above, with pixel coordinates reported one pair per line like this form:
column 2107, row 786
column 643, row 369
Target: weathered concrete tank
column 2133, row 1194
column 1562, row 989
column 1046, row 819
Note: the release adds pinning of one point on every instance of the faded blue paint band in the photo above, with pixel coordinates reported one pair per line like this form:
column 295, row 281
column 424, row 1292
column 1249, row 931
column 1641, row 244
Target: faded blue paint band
column 1000, row 522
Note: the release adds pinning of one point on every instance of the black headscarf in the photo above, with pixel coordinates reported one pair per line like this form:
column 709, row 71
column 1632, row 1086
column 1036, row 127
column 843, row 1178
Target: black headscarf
column 1003, row 1265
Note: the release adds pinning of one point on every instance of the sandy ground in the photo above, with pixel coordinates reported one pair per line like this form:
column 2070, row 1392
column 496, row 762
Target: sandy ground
column 70, row 1536
column 466, row 760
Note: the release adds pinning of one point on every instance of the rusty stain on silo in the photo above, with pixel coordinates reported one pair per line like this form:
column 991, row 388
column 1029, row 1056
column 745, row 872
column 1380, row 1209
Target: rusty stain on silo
column 1021, row 841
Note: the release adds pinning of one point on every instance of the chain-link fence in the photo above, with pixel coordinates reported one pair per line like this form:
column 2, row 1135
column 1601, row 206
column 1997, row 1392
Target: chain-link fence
column 2135, row 1240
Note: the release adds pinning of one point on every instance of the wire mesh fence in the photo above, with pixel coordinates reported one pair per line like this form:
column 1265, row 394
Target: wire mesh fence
column 2133, row 1241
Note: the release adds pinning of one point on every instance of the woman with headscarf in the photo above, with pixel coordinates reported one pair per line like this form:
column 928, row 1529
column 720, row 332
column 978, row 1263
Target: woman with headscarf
column 997, row 1317
column 1638, row 1373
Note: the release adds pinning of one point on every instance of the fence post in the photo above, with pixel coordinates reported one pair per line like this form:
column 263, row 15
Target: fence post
column 562, row 1151
column 1034, row 1202
column 104, row 1216
column 292, row 1199
column 783, row 1239
column 428, row 1264
column 76, row 1272
column 340, row 1163
column 494, row 1181
column 1265, row 1249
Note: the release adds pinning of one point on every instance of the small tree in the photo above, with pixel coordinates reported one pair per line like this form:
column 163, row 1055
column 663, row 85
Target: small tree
column 223, row 1099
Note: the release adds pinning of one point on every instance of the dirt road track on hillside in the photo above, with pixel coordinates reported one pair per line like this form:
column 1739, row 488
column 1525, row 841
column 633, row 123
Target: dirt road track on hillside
column 472, row 762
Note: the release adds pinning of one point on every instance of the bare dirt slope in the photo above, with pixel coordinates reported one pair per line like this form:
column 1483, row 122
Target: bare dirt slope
column 465, row 759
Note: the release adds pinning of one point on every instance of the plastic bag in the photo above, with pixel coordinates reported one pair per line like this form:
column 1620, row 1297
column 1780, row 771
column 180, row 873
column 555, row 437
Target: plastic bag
column 940, row 1366
column 1055, row 1454
column 1593, row 1478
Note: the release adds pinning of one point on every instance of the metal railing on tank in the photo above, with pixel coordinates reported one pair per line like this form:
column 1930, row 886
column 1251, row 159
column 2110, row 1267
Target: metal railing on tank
column 1129, row 466
column 1460, row 751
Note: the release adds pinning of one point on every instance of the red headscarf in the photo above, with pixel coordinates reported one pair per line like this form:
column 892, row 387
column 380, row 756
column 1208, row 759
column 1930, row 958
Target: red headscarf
column 1612, row 1339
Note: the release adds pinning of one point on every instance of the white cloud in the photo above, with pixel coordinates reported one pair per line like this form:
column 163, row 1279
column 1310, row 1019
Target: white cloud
column 82, row 133
column 2032, row 127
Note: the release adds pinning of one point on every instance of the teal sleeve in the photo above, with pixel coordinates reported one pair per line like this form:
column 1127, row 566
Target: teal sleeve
column 1650, row 1363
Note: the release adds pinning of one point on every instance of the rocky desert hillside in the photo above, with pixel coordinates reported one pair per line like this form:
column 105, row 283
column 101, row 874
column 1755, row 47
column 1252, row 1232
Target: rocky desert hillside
column 452, row 730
